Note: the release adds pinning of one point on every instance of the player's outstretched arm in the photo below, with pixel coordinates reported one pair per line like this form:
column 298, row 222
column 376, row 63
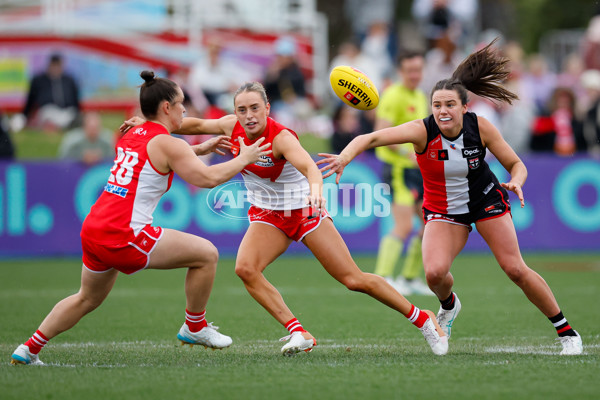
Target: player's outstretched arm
column 199, row 126
column 176, row 155
column 410, row 132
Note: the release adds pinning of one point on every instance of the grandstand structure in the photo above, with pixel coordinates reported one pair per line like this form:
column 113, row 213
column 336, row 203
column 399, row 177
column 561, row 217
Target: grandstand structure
column 112, row 40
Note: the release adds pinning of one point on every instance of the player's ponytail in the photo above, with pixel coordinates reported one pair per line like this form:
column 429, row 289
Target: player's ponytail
column 481, row 73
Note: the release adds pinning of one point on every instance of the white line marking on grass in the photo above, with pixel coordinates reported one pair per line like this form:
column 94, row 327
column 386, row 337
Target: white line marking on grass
column 542, row 349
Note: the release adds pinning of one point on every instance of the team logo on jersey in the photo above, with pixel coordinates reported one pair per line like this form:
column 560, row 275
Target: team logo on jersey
column 265, row 161
column 470, row 152
column 139, row 131
column 441, row 155
column 473, row 163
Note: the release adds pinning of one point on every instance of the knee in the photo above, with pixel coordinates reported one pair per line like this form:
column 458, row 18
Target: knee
column 435, row 275
column 245, row 271
column 89, row 303
column 358, row 283
column 208, row 257
column 212, row 256
column 515, row 272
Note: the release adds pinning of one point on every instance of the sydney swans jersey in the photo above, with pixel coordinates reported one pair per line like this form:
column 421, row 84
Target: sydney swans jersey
column 132, row 192
column 272, row 184
column 455, row 174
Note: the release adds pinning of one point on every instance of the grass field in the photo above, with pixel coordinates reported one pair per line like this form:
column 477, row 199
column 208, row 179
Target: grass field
column 501, row 348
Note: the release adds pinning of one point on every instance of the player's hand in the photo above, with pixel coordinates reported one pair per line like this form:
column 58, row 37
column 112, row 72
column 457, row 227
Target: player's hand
column 516, row 188
column 316, row 201
column 335, row 165
column 218, row 144
column 131, row 122
column 251, row 154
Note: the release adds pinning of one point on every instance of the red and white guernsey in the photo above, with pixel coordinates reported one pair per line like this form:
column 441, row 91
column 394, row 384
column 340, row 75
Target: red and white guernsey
column 132, row 192
column 455, row 175
column 272, row 184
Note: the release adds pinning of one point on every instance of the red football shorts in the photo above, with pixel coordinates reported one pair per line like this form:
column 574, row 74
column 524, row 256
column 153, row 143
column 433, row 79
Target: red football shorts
column 294, row 223
column 128, row 259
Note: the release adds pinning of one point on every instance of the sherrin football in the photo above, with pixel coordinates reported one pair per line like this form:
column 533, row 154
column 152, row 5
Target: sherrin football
column 354, row 88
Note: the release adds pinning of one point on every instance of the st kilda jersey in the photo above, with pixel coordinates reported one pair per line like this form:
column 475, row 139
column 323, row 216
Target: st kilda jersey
column 455, row 175
column 272, row 184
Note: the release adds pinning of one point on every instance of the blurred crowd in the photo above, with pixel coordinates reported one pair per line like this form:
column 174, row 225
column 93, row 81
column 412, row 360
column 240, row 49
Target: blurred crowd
column 558, row 110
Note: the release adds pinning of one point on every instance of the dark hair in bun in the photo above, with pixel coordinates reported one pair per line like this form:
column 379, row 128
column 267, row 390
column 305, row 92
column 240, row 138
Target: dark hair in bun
column 147, row 76
column 154, row 91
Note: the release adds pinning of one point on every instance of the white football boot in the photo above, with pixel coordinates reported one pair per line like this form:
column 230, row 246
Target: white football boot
column 207, row 337
column 22, row 355
column 434, row 336
column 297, row 343
column 571, row 345
column 446, row 317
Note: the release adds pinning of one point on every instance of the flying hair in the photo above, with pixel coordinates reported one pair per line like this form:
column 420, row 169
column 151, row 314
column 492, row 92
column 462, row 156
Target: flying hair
column 482, row 73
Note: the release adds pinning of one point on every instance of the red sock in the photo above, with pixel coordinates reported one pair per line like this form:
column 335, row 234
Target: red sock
column 294, row 326
column 195, row 321
column 36, row 342
column 416, row 316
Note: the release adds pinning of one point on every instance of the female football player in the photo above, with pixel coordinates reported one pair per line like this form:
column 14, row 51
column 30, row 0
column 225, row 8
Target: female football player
column 460, row 189
column 117, row 235
column 285, row 190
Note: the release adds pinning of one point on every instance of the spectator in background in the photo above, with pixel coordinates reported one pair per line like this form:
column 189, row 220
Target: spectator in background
column 285, row 85
column 539, row 82
column 590, row 134
column 214, row 77
column 90, row 143
column 375, row 46
column 566, row 124
column 284, row 80
column 346, row 126
column 456, row 18
column 557, row 127
column 570, row 77
column 53, row 99
column 591, row 42
column 349, row 53
column 516, row 121
column 7, row 150
column 363, row 14
column 440, row 61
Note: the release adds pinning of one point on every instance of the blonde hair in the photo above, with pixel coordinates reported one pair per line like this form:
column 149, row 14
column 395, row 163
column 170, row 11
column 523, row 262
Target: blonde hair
column 256, row 87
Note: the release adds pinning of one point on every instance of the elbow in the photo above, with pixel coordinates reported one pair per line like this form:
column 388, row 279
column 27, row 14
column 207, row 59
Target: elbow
column 210, row 183
column 204, row 181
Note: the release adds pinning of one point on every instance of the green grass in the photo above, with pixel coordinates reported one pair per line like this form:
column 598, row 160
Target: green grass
column 501, row 347
column 32, row 144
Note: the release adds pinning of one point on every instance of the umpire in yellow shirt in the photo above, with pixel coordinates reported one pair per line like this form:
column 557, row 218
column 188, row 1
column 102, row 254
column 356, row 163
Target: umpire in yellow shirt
column 403, row 102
